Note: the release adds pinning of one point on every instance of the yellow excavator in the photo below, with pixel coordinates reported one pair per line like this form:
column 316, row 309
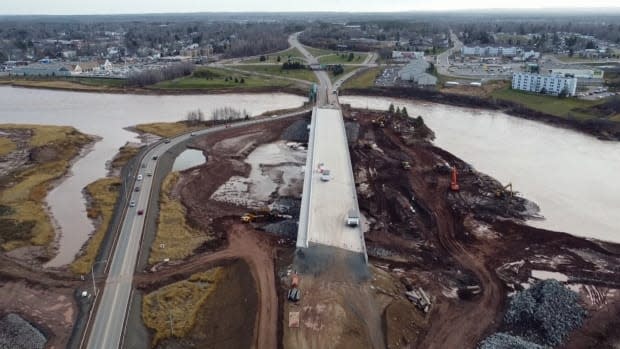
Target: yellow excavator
column 251, row 217
column 263, row 215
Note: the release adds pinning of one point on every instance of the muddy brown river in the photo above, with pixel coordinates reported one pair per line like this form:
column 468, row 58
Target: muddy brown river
column 573, row 177
column 106, row 115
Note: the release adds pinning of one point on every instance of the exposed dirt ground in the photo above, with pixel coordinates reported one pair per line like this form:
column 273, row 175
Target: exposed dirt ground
column 52, row 310
column 447, row 241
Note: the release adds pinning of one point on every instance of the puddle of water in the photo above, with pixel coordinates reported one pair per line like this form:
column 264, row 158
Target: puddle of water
column 188, row 159
column 570, row 175
column 106, row 115
column 275, row 167
column 549, row 275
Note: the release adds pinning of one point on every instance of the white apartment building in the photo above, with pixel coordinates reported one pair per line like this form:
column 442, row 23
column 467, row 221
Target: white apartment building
column 489, row 51
column 548, row 84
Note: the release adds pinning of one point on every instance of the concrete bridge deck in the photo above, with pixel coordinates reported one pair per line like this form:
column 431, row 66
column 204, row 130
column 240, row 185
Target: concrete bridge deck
column 325, row 204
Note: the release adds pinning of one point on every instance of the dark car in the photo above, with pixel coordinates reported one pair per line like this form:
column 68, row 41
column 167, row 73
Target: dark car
column 166, row 141
column 155, row 157
column 140, row 212
column 137, row 189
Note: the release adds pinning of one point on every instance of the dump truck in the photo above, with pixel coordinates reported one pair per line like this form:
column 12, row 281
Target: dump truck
column 420, row 299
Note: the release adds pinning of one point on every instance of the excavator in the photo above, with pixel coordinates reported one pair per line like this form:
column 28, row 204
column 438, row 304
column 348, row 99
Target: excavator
column 454, row 185
column 506, row 191
column 379, row 121
column 263, row 215
column 251, row 217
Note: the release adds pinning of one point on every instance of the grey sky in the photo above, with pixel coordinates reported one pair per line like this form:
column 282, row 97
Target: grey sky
column 157, row 6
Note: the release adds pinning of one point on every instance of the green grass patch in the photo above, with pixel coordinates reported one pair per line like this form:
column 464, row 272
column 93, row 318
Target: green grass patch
column 316, row 52
column 172, row 310
column 343, row 58
column 292, row 52
column 220, row 79
column 365, row 79
column 347, row 69
column 24, row 191
column 167, row 129
column 570, row 108
column 7, row 146
column 178, row 239
column 103, row 194
column 302, row 74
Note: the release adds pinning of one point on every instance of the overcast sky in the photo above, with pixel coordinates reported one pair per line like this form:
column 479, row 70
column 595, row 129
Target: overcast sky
column 56, row 7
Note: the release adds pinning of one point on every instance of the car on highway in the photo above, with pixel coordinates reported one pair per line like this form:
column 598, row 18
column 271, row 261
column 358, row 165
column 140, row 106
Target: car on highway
column 140, row 212
column 139, row 177
column 149, row 174
column 192, row 134
column 167, row 140
column 326, row 176
column 132, row 204
column 154, row 157
column 353, row 218
column 137, row 189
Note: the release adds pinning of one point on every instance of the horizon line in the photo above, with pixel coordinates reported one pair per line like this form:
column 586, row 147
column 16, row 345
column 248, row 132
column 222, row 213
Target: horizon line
column 459, row 10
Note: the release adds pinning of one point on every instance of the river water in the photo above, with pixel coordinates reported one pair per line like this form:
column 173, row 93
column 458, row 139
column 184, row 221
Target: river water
column 573, row 177
column 106, row 115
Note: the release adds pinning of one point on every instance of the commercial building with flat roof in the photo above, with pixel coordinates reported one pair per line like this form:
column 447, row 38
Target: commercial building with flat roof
column 545, row 84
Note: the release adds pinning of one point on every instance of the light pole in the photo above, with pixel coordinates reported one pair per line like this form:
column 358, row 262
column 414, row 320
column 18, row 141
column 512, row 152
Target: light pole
column 92, row 273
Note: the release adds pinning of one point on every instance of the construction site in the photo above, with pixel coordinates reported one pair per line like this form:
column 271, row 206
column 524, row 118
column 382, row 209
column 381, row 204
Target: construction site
column 447, row 247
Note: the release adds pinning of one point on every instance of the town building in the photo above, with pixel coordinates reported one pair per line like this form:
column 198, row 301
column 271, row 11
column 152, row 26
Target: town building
column 489, row 51
column 42, row 69
column 545, row 84
column 407, row 55
column 415, row 72
column 578, row 73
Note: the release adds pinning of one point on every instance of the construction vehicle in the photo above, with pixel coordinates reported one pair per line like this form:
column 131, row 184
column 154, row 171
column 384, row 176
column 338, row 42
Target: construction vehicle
column 294, row 295
column 454, row 185
column 251, row 217
column 380, row 121
column 406, row 165
column 265, row 214
column 506, row 191
column 420, row 299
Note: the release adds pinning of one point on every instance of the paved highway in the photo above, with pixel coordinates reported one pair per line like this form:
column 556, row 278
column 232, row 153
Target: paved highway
column 325, row 95
column 108, row 324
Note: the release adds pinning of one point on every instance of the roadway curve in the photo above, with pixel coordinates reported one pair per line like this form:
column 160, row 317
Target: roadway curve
column 108, row 324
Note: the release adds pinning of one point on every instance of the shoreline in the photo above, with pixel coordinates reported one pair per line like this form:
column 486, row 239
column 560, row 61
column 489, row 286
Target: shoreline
column 155, row 92
column 601, row 129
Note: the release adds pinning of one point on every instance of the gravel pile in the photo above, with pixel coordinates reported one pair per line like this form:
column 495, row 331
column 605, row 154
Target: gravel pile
column 297, row 132
column 543, row 315
column 505, row 341
column 17, row 333
column 353, row 131
column 286, row 228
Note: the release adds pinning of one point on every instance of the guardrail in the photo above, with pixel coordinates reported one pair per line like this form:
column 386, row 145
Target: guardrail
column 304, row 211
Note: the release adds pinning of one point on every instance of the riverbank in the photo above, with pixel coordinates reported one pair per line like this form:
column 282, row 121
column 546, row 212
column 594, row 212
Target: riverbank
column 78, row 87
column 43, row 156
column 600, row 128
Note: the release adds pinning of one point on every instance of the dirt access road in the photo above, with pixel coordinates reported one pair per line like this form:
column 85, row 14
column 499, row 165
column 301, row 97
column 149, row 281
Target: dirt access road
column 445, row 241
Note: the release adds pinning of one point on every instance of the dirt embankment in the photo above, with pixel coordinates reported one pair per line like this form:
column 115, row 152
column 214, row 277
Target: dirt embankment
column 226, row 152
column 78, row 87
column 600, row 128
column 459, row 246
